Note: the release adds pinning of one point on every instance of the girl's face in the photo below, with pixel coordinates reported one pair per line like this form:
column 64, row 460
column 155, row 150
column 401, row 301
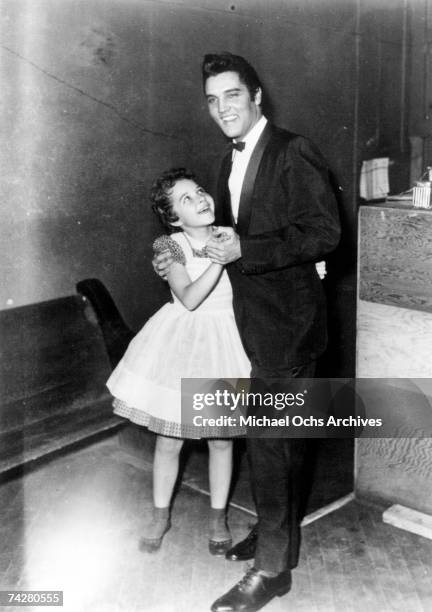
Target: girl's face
column 193, row 206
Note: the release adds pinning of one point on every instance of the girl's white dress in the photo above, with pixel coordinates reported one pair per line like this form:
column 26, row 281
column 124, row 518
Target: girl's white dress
column 177, row 343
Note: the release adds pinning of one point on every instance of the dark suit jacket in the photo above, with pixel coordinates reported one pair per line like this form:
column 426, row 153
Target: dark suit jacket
column 287, row 221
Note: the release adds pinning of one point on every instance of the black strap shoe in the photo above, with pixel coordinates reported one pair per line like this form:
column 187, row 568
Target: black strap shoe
column 244, row 550
column 219, row 549
column 253, row 592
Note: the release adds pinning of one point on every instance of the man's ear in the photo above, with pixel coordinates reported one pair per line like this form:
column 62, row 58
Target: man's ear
column 258, row 96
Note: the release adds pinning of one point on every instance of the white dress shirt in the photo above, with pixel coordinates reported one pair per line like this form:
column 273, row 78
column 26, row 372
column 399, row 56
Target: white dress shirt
column 240, row 161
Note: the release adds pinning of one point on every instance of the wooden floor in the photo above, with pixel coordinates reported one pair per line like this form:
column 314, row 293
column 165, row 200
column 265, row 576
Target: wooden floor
column 73, row 523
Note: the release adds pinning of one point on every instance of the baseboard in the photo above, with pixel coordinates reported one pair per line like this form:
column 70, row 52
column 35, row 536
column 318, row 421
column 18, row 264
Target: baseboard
column 409, row 519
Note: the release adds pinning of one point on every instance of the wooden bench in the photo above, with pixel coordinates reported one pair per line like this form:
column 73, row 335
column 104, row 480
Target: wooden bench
column 55, row 358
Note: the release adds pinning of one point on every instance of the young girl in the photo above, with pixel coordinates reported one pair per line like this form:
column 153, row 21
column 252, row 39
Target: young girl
column 195, row 336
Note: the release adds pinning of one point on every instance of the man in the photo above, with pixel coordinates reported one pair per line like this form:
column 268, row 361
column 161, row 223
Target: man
column 278, row 215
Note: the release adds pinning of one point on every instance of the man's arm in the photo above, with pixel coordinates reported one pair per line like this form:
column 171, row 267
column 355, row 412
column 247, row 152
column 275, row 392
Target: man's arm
column 313, row 227
column 230, row 250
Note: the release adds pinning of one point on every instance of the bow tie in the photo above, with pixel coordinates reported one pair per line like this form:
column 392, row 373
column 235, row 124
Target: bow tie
column 238, row 146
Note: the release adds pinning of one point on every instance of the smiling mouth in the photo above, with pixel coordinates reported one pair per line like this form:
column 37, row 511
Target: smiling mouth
column 204, row 210
column 229, row 119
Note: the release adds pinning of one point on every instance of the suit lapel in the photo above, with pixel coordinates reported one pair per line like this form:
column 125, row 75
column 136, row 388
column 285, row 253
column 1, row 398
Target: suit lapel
column 245, row 206
column 223, row 205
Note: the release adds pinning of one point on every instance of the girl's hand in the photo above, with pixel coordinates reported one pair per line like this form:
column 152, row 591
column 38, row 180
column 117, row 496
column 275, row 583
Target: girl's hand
column 218, row 234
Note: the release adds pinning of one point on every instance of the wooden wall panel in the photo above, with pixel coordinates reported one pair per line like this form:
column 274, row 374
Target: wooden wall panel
column 394, row 340
column 396, row 257
column 395, row 471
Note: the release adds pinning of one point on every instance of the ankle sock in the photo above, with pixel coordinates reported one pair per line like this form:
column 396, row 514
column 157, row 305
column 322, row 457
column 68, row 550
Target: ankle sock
column 218, row 528
column 267, row 574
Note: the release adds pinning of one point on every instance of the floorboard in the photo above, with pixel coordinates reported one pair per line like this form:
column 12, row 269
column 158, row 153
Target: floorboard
column 73, row 524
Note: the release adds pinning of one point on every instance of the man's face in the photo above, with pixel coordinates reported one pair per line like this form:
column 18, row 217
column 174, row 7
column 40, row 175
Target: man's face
column 230, row 104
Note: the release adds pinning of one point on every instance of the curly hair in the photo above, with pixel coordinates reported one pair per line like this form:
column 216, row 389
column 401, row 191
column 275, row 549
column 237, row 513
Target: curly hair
column 216, row 63
column 160, row 195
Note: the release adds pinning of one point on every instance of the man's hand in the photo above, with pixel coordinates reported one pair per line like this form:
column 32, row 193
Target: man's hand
column 321, row 268
column 224, row 246
column 161, row 263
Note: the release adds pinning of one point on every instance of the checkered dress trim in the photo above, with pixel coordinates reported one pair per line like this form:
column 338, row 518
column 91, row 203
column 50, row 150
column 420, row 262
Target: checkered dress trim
column 171, row 428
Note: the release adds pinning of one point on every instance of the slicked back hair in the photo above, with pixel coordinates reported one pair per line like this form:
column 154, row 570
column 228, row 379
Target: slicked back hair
column 216, row 63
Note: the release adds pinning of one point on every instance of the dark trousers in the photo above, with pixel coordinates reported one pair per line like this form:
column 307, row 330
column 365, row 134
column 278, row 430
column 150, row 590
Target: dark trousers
column 280, row 476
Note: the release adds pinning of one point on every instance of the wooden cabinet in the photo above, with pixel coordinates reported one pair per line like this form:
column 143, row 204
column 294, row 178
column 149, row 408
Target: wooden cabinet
column 394, row 341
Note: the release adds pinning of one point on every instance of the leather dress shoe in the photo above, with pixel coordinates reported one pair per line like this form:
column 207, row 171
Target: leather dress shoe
column 253, row 592
column 244, row 550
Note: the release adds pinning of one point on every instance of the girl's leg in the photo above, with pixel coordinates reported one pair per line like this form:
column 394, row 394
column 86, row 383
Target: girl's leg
column 220, row 471
column 165, row 471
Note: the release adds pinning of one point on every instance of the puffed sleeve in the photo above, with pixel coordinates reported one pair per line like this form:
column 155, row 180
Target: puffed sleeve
column 165, row 243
